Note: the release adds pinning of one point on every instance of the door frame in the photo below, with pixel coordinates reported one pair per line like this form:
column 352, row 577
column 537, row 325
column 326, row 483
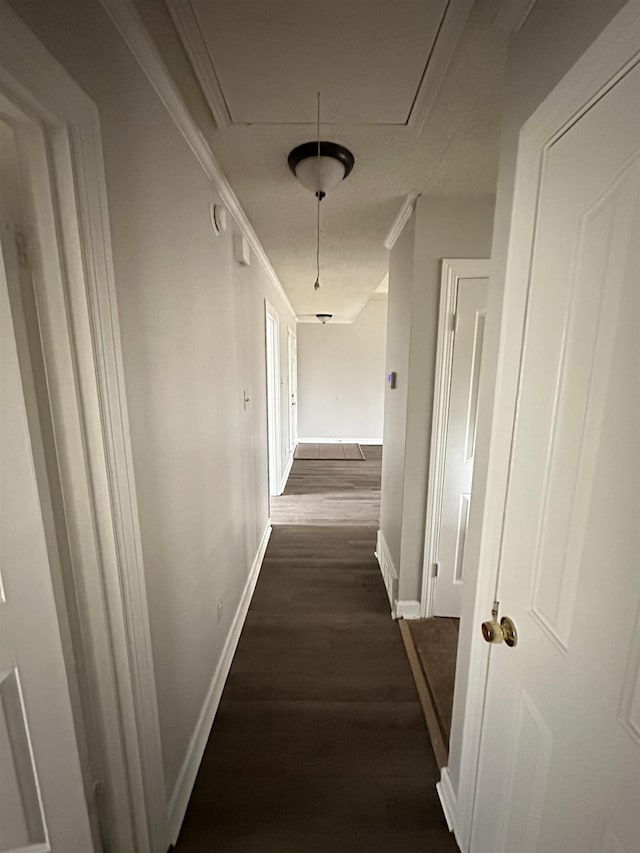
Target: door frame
column 80, row 338
column 274, row 425
column 453, row 269
column 292, row 347
column 608, row 58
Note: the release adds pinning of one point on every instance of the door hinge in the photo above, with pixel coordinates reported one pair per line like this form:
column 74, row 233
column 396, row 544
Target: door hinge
column 453, row 322
column 435, row 568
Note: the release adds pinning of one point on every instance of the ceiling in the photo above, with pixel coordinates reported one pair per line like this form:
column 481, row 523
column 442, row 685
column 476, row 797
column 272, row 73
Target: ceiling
column 412, row 87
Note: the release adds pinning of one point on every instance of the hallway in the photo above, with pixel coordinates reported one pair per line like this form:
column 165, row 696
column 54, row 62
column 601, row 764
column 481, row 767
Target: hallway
column 319, row 742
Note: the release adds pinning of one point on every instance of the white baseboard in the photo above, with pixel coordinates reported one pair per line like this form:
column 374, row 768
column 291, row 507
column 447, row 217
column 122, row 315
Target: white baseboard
column 285, row 476
column 312, row 440
column 179, row 799
column 447, row 798
column 388, row 570
column 407, row 610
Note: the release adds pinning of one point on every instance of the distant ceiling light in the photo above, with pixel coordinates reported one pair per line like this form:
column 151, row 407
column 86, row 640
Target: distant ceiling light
column 324, row 317
column 320, row 166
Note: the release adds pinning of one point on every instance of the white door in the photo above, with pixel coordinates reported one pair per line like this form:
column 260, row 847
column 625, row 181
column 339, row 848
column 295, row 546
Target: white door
column 293, row 391
column 468, row 334
column 273, row 402
column 560, row 751
column 42, row 805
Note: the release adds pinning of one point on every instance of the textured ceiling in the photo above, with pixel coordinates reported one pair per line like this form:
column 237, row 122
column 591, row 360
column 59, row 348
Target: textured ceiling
column 456, row 154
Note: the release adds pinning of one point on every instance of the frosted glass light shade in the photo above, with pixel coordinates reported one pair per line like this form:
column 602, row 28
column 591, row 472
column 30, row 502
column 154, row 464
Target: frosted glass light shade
column 323, row 173
column 320, row 174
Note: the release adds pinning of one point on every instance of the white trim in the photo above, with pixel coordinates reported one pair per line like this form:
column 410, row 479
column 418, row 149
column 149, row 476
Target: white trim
column 285, row 474
column 181, row 793
column 513, row 14
column 81, row 345
column 600, row 67
column 188, row 27
column 388, row 570
column 306, row 440
column 132, row 29
column 402, row 217
column 409, row 609
column 452, row 26
column 447, row 797
column 452, row 271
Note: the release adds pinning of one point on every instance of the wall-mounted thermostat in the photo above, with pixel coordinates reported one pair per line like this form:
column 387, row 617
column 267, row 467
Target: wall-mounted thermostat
column 391, row 379
column 241, row 250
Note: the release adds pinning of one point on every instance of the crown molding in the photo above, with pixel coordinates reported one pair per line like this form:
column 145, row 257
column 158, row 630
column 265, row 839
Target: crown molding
column 132, row 29
column 188, row 27
column 406, row 209
column 513, row 14
column 454, row 19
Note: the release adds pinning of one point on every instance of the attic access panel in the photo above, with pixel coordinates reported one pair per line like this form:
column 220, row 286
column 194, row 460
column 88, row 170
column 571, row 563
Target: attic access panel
column 366, row 57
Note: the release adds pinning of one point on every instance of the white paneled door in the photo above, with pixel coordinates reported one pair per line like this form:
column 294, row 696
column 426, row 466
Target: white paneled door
column 460, row 441
column 560, row 752
column 42, row 804
column 293, row 390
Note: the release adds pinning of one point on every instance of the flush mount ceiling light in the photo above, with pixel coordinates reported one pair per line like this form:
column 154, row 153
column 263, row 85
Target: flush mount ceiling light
column 320, row 166
column 324, row 317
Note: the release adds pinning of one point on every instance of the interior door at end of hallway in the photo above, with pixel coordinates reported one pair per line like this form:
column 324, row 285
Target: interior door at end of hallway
column 460, row 443
column 559, row 764
column 42, row 804
column 293, row 391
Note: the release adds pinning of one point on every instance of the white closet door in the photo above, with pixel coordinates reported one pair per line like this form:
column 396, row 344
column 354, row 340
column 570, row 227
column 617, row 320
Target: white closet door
column 42, row 805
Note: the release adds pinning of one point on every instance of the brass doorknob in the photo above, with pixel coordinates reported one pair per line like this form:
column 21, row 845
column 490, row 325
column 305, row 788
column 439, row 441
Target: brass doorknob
column 492, row 632
column 503, row 631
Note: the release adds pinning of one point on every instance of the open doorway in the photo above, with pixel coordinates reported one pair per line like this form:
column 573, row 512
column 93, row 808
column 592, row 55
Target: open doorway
column 272, row 327
column 463, row 301
column 432, row 641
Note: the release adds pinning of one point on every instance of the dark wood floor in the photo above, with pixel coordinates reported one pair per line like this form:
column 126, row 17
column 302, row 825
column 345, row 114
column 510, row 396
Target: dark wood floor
column 330, row 493
column 319, row 745
column 436, row 643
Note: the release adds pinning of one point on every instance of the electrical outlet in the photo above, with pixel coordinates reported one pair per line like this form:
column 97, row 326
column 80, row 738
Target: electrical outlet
column 220, row 606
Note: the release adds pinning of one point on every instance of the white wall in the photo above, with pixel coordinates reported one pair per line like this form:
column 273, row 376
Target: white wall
column 440, row 228
column 552, row 39
column 193, row 339
column 395, row 399
column 341, row 376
